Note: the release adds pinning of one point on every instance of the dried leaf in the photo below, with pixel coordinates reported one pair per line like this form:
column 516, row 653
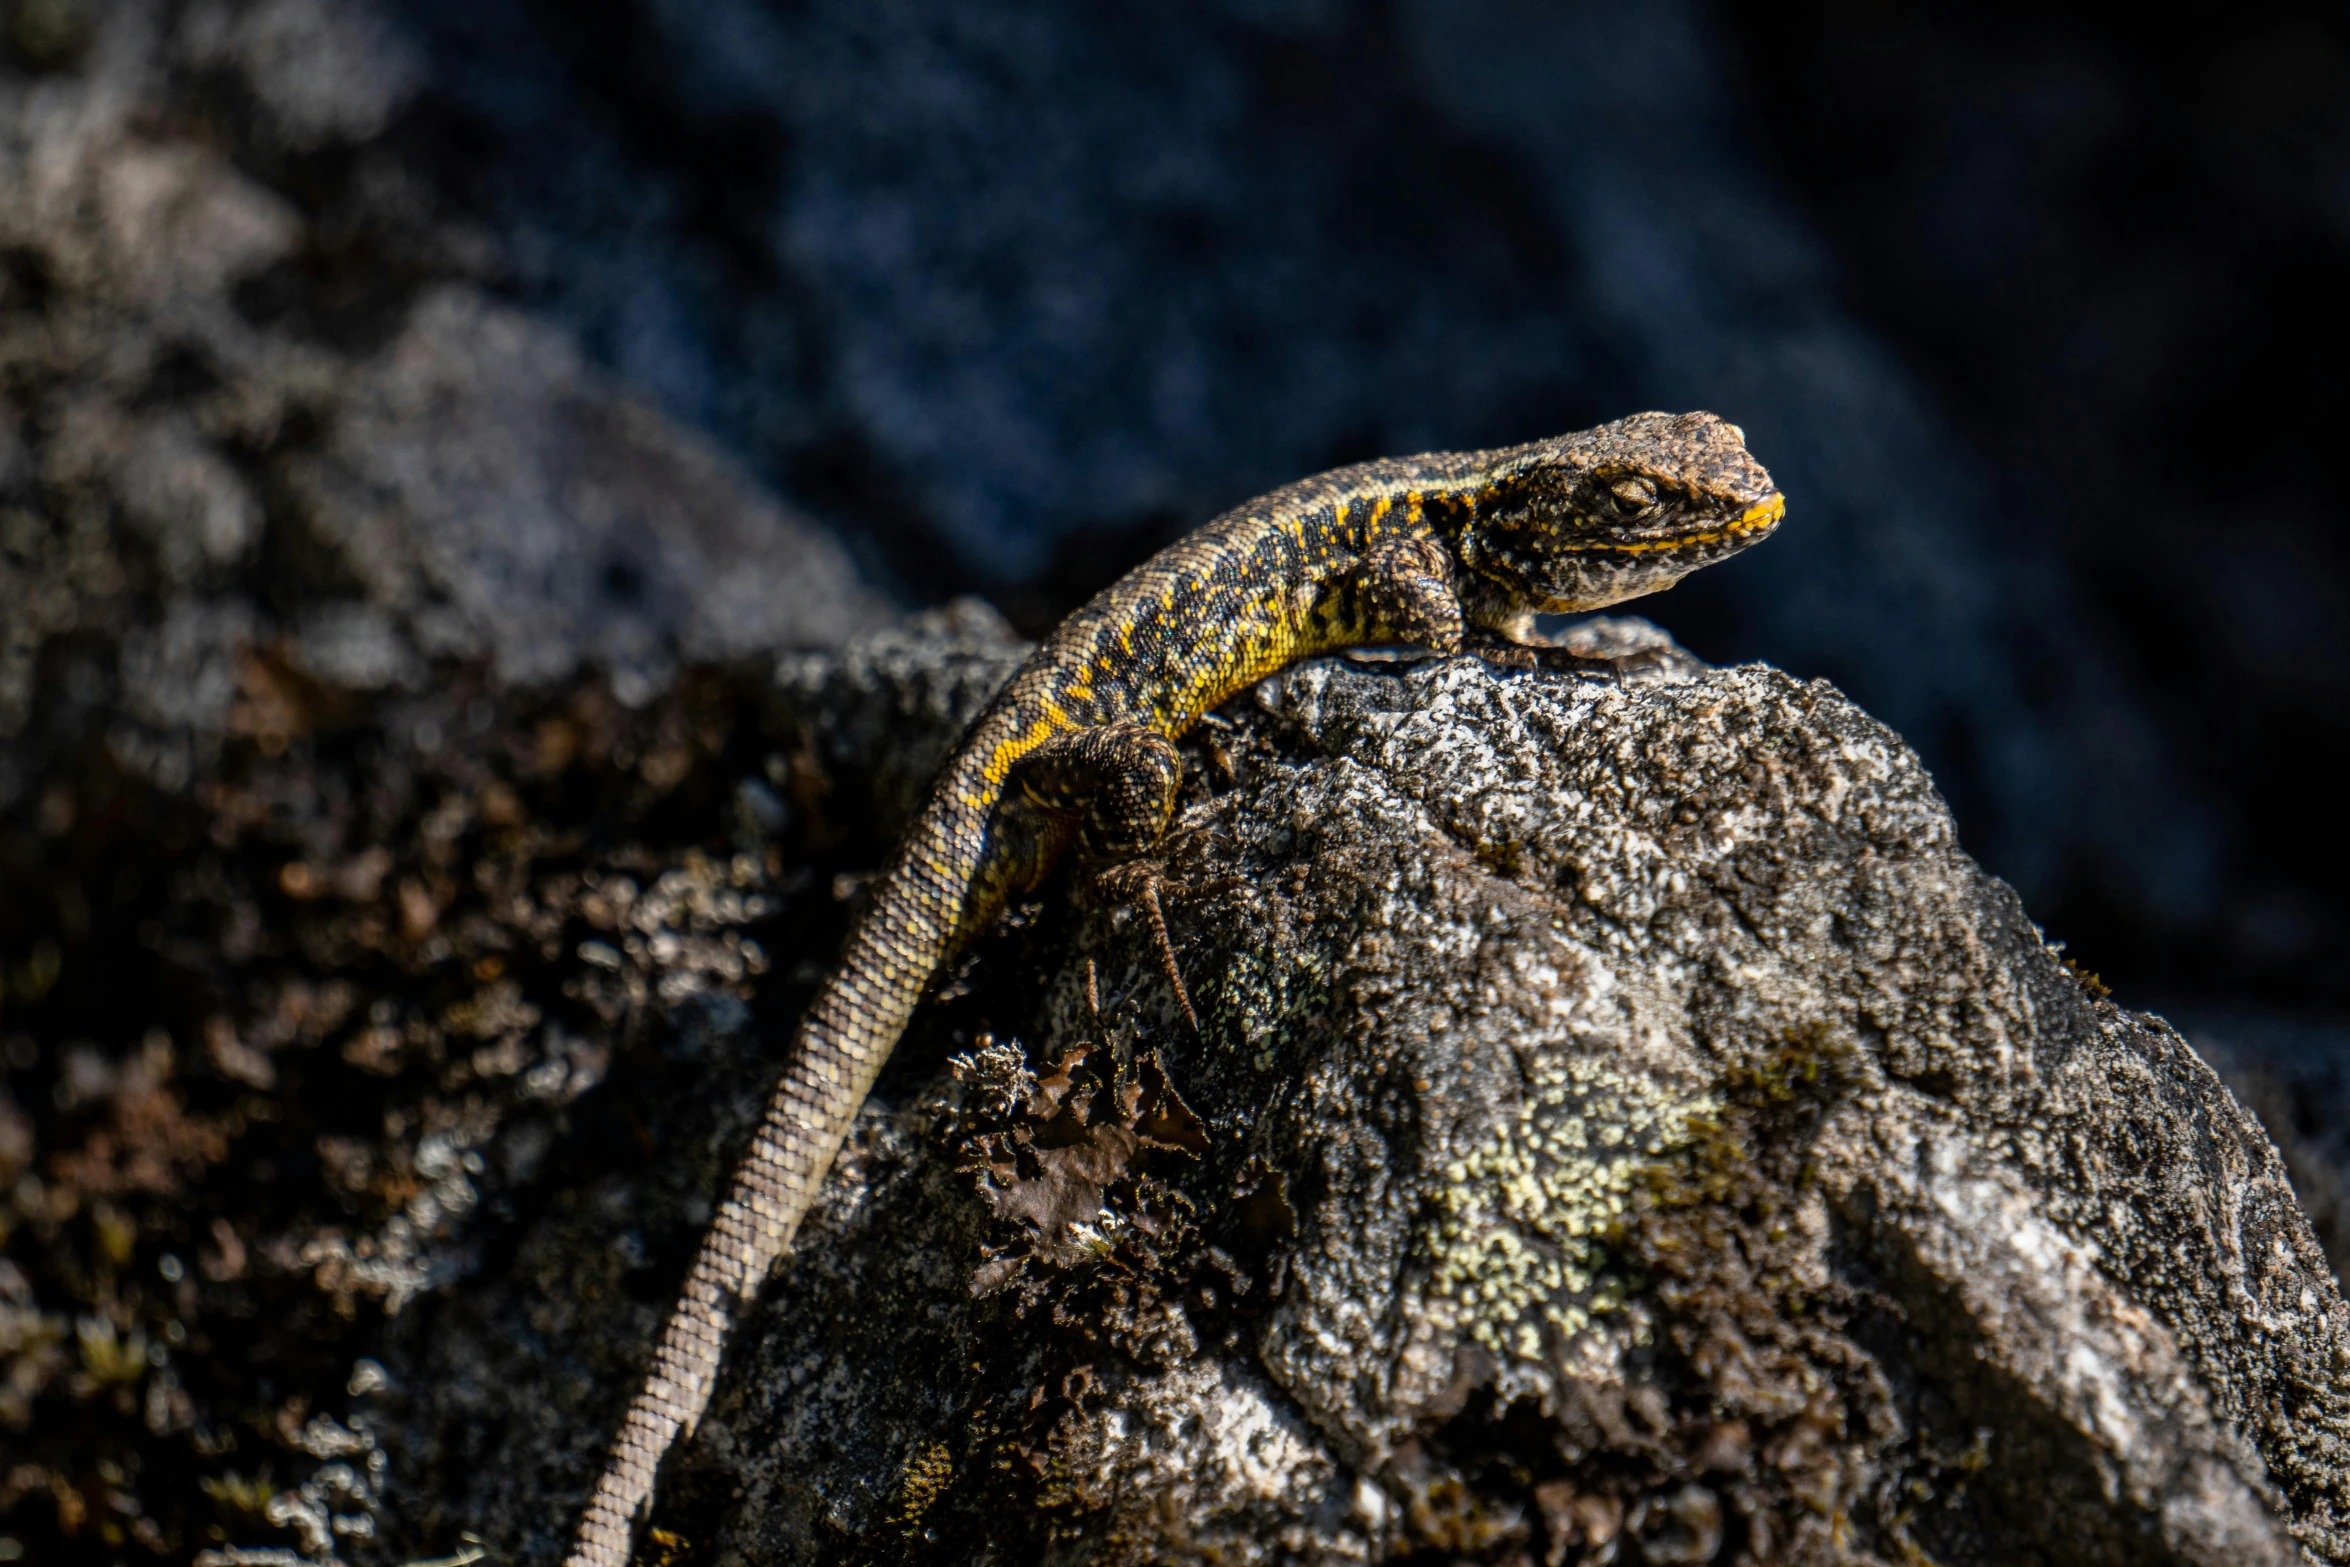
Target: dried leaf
column 1053, row 1086
column 1069, row 1189
column 1265, row 1213
column 1164, row 1120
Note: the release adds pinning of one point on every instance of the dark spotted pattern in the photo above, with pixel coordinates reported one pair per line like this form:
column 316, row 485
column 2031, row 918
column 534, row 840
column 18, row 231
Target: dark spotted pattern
column 1402, row 550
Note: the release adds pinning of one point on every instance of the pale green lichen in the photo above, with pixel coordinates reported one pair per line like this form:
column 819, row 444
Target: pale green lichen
column 1259, row 997
column 1521, row 1218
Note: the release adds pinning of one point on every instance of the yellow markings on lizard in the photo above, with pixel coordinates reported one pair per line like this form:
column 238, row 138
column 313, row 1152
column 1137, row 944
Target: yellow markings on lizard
column 1050, row 722
column 1760, row 516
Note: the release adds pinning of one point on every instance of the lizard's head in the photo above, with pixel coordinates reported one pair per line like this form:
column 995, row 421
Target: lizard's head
column 1586, row 520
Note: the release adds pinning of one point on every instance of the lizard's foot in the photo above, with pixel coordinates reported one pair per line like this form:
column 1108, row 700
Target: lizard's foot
column 1118, row 780
column 1140, row 880
column 1493, row 648
column 1504, row 653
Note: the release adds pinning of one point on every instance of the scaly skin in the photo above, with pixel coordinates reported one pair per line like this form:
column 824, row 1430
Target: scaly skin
column 1434, row 550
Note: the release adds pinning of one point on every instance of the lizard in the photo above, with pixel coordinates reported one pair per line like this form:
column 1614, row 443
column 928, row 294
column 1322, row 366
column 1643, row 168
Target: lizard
column 1448, row 551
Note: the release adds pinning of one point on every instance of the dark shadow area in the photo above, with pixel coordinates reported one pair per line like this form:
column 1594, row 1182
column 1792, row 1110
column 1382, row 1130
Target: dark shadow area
column 2116, row 254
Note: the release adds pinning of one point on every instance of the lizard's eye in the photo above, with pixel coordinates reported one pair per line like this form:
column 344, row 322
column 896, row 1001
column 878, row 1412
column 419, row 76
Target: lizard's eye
column 1632, row 492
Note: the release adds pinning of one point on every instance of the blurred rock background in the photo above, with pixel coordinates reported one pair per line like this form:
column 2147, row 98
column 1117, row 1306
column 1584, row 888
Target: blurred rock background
column 421, row 377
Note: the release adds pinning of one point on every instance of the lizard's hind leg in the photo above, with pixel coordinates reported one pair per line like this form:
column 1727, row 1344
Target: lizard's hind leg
column 1141, row 881
column 1119, row 782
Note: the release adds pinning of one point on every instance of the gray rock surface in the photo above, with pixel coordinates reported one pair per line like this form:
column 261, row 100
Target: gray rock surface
column 1624, row 1126
column 2295, row 1076
column 233, row 421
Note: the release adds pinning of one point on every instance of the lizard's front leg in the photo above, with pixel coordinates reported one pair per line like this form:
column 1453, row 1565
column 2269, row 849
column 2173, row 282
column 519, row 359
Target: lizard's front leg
column 1501, row 632
column 1407, row 591
column 1405, row 588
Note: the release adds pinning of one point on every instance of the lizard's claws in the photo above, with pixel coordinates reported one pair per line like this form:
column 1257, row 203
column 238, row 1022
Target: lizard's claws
column 1140, row 880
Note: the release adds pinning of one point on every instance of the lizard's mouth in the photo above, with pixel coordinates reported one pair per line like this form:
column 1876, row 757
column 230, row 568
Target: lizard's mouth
column 1747, row 527
column 1750, row 526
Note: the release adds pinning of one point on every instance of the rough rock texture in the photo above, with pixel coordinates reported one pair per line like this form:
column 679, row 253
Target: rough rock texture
column 253, row 397
column 342, row 618
column 2296, row 1078
column 1623, row 1121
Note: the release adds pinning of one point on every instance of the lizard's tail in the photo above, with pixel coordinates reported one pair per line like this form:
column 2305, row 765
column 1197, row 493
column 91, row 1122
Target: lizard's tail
column 849, row 1031
column 677, row 1389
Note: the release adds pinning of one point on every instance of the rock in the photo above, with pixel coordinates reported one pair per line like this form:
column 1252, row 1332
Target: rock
column 317, row 73
column 480, row 482
column 2295, row 1076
column 244, row 418
column 1623, row 1119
